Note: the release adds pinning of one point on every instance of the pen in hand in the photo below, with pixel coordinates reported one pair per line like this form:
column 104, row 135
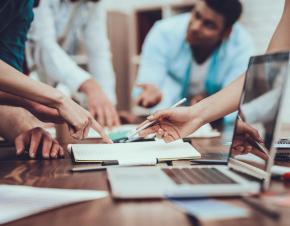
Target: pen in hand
column 146, row 124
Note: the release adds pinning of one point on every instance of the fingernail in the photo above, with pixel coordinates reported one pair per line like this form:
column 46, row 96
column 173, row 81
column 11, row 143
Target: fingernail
column 150, row 117
column 18, row 152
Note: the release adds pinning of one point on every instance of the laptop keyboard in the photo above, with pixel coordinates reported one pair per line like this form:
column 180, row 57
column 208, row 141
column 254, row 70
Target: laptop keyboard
column 197, row 176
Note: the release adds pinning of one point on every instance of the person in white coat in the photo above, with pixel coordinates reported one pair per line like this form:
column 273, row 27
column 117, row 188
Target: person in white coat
column 179, row 122
column 193, row 55
column 59, row 29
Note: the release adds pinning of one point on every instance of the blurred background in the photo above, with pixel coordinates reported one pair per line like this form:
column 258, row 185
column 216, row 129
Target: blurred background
column 130, row 20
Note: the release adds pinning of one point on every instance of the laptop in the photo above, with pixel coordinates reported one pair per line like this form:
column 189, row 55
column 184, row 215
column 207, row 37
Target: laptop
column 248, row 167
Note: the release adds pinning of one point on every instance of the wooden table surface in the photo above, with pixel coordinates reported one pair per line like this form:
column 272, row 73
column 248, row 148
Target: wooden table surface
column 107, row 211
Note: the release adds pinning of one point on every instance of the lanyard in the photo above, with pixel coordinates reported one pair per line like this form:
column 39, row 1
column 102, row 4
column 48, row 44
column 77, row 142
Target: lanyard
column 210, row 82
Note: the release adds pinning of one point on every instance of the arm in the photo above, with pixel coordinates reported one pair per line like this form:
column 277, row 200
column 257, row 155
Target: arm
column 100, row 92
column 207, row 109
column 78, row 119
column 12, row 50
column 49, row 56
column 14, row 82
column 42, row 112
column 281, row 38
column 179, row 122
column 98, row 49
column 153, row 67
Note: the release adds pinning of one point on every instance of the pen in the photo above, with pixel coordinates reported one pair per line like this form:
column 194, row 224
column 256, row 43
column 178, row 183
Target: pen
column 209, row 162
column 105, row 165
column 131, row 136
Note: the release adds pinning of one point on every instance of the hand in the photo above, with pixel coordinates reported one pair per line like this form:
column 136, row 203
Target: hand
column 150, row 96
column 242, row 128
column 35, row 140
column 99, row 105
column 172, row 124
column 79, row 120
column 244, row 141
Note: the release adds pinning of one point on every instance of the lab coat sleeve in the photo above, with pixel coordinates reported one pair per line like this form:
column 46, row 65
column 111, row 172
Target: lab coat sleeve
column 49, row 57
column 154, row 57
column 98, row 50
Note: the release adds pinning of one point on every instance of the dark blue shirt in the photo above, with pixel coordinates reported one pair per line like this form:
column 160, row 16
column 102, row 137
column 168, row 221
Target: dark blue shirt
column 15, row 19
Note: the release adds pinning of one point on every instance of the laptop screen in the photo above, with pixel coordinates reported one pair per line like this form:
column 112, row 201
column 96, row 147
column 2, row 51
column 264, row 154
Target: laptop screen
column 258, row 111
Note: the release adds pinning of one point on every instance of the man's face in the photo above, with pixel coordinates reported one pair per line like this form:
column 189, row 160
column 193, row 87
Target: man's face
column 206, row 27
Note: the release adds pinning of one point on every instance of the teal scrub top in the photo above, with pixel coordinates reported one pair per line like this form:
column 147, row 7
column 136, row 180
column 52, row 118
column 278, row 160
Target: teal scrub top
column 15, row 19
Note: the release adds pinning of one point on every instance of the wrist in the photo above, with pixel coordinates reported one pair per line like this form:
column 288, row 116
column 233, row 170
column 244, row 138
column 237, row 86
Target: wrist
column 197, row 113
column 90, row 87
column 58, row 100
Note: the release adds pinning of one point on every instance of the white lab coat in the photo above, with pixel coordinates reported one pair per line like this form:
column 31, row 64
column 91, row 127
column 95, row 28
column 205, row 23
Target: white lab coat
column 53, row 61
column 166, row 60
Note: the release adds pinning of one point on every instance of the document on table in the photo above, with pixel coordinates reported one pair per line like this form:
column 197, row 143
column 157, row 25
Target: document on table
column 136, row 153
column 206, row 131
column 116, row 133
column 210, row 209
column 17, row 202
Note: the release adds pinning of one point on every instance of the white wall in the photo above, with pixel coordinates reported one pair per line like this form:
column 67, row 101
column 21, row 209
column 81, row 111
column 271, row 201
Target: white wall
column 260, row 16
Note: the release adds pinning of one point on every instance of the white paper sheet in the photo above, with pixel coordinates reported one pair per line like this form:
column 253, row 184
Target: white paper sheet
column 206, row 131
column 123, row 128
column 134, row 152
column 17, row 202
column 209, row 209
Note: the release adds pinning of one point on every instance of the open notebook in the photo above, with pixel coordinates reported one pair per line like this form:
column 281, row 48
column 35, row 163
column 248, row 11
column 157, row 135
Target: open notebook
column 139, row 153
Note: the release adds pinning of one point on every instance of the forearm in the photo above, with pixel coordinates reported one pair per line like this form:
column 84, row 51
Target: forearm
column 15, row 121
column 281, row 39
column 227, row 100
column 12, row 100
column 13, row 82
column 222, row 103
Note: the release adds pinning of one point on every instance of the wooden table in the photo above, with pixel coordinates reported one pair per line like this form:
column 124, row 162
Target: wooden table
column 108, row 212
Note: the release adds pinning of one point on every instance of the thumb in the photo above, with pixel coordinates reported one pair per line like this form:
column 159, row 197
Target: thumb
column 159, row 115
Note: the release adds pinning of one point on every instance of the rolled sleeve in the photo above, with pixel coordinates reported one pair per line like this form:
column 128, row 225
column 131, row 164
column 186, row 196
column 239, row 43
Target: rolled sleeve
column 51, row 60
column 98, row 50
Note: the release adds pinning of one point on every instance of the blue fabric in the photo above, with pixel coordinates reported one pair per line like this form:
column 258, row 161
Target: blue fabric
column 15, row 19
column 166, row 60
